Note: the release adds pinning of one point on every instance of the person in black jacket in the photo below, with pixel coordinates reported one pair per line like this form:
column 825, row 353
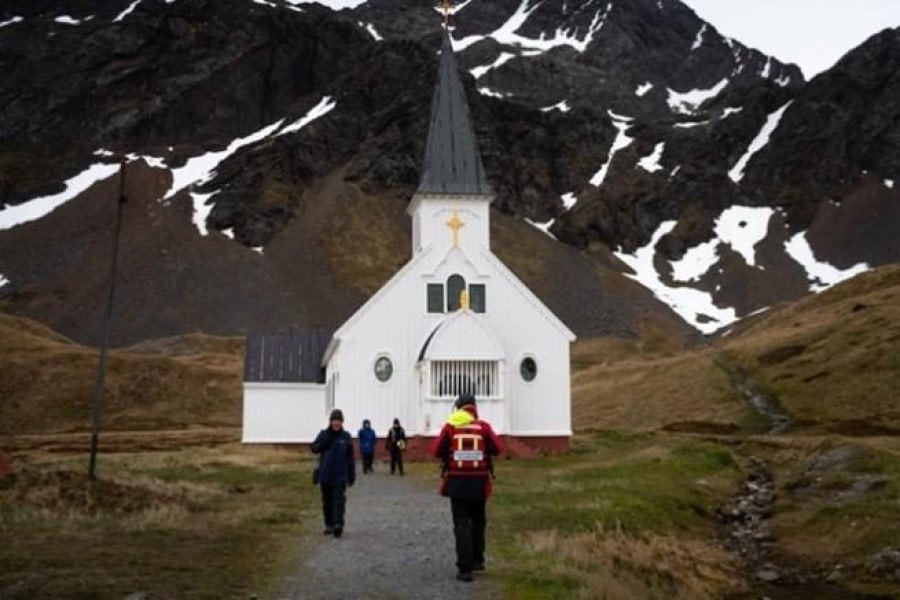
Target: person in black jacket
column 337, row 470
column 396, row 444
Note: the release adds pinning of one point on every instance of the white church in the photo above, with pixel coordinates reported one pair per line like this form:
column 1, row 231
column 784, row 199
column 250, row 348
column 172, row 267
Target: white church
column 454, row 319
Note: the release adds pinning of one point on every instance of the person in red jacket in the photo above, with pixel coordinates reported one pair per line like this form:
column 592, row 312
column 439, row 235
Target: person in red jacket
column 466, row 447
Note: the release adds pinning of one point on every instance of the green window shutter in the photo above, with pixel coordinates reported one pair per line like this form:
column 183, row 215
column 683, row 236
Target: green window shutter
column 478, row 297
column 435, row 297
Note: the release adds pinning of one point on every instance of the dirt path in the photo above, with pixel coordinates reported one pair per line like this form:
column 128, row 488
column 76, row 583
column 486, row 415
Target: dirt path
column 397, row 543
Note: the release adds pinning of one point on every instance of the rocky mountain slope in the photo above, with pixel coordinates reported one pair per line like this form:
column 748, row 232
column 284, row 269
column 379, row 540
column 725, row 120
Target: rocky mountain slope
column 639, row 137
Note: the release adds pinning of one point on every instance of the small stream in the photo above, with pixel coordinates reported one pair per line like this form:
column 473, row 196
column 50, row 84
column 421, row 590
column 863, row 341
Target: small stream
column 762, row 402
column 747, row 532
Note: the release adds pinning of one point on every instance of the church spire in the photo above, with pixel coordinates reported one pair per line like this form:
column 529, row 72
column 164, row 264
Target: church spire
column 452, row 164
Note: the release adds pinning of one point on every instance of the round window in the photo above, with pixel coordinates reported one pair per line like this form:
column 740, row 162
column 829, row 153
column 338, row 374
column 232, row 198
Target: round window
column 528, row 369
column 383, row 368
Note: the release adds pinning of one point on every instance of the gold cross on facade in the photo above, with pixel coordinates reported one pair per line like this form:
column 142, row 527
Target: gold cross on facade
column 455, row 224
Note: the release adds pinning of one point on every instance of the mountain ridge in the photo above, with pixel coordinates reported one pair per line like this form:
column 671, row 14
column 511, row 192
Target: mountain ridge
column 601, row 169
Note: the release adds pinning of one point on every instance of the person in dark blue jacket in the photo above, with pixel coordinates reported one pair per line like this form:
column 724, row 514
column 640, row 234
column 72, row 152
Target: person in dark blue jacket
column 337, row 470
column 367, row 440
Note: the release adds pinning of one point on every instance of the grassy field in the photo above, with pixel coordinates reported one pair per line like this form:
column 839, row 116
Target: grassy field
column 47, row 382
column 192, row 514
column 831, row 361
column 201, row 522
column 624, row 516
column 665, row 433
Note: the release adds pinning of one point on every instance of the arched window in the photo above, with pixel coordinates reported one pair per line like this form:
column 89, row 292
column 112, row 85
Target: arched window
column 455, row 285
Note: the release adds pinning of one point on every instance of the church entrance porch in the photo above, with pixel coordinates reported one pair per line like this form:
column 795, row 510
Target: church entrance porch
column 443, row 381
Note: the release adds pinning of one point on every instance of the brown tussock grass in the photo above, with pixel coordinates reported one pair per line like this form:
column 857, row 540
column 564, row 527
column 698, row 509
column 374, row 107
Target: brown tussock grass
column 619, row 566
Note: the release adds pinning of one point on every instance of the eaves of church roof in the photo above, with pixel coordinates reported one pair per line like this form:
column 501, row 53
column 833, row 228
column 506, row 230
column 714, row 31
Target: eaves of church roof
column 452, row 164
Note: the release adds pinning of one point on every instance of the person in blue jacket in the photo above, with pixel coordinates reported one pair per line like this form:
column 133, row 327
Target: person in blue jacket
column 367, row 440
column 337, row 470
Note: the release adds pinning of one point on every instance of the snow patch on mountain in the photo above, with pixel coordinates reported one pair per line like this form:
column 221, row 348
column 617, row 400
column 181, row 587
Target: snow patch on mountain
column 3, row 281
column 12, row 21
column 372, row 31
column 742, row 228
column 687, row 102
column 506, row 33
column 731, row 110
column 569, row 201
column 545, row 227
column 560, row 106
column 154, row 161
column 889, row 184
column 121, row 16
column 650, row 162
column 694, row 306
column 486, row 91
column 502, row 59
column 690, row 124
column 199, row 169
column 759, row 142
column 40, row 207
column 67, row 20
column 696, row 262
column 332, row 4
column 767, row 69
column 325, row 106
column 643, row 89
column 621, row 123
column 698, row 41
column 201, row 211
column 821, row 275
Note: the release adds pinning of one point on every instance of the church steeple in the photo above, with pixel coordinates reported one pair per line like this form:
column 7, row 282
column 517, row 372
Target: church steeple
column 452, row 164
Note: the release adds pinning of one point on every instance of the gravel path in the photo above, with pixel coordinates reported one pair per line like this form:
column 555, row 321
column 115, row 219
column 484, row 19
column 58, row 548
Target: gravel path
column 397, row 543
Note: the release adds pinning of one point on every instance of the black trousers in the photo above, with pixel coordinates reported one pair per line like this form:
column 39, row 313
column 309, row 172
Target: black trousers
column 334, row 500
column 468, row 529
column 396, row 460
column 367, row 462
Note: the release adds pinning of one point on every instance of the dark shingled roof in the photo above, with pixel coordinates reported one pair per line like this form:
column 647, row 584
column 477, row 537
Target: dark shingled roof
column 452, row 164
column 285, row 356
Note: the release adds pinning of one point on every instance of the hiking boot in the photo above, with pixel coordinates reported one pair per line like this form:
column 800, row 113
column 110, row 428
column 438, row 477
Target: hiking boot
column 338, row 531
column 464, row 576
column 328, row 531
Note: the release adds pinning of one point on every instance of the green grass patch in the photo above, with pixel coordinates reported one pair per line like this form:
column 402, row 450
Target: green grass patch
column 618, row 499
column 200, row 523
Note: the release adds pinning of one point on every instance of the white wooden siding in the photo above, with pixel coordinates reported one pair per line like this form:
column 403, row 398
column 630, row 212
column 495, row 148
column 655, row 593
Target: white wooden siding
column 283, row 413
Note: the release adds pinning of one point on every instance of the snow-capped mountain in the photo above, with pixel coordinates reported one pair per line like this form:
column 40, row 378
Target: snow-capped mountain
column 272, row 145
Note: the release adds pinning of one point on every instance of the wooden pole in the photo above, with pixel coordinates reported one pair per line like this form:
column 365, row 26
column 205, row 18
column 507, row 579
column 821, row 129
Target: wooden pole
column 104, row 331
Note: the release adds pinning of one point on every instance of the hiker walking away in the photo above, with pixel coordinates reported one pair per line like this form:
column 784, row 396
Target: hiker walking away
column 336, row 471
column 367, row 440
column 396, row 444
column 466, row 447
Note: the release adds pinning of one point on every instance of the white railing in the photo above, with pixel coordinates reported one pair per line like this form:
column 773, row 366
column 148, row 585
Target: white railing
column 450, row 378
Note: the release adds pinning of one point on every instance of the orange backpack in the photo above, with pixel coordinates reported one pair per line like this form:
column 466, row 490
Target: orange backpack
column 467, row 454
